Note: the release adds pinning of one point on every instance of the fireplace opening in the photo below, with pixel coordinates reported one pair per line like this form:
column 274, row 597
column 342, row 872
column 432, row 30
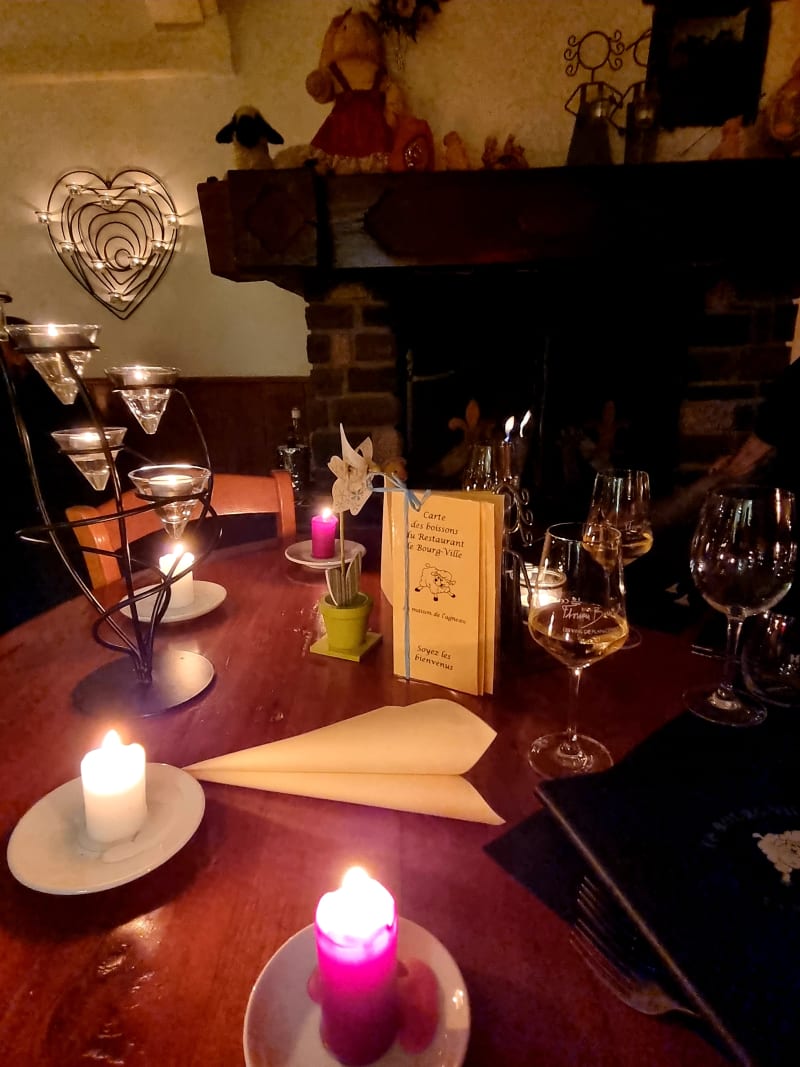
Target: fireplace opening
column 598, row 360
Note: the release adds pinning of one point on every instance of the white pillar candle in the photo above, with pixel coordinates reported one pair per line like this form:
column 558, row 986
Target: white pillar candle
column 113, row 780
column 183, row 588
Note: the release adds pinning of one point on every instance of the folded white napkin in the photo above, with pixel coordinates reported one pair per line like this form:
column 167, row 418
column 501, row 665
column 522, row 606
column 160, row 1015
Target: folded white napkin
column 407, row 759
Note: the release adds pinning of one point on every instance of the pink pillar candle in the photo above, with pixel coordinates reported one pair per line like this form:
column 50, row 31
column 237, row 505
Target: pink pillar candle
column 323, row 534
column 356, row 936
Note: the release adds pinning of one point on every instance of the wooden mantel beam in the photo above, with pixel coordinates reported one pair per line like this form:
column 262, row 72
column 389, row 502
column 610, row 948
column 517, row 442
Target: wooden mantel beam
column 294, row 227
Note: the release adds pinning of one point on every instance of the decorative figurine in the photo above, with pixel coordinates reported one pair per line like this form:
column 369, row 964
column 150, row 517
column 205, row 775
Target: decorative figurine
column 413, row 145
column 783, row 113
column 594, row 102
column 455, row 152
column 512, row 156
column 251, row 136
column 357, row 136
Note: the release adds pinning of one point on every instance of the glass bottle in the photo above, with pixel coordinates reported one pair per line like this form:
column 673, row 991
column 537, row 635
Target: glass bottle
column 294, row 455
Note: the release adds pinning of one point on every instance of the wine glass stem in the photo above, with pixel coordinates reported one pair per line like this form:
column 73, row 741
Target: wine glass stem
column 732, row 634
column 570, row 746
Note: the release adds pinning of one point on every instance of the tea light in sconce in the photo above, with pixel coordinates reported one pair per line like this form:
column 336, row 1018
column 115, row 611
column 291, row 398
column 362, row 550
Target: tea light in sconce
column 53, row 337
column 83, row 445
column 180, row 563
column 166, row 486
column 113, row 779
column 177, row 488
column 356, row 938
column 545, row 587
column 145, row 389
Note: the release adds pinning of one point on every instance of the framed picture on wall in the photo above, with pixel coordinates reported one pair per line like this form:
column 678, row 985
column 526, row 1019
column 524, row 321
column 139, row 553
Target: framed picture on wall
column 706, row 60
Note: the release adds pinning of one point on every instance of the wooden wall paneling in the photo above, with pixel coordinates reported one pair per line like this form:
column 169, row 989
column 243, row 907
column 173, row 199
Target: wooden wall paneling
column 242, row 419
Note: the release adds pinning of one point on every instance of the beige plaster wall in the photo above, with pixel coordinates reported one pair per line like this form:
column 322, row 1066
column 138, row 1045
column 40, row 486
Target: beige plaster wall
column 94, row 85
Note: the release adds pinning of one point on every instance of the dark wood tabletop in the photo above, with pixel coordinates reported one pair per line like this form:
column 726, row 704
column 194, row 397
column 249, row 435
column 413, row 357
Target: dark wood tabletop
column 158, row 971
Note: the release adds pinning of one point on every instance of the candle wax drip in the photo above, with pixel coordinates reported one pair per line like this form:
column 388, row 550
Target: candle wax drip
column 418, row 996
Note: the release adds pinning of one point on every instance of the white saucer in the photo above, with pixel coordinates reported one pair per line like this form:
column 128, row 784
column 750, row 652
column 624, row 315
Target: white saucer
column 281, row 1024
column 48, row 850
column 301, row 553
column 207, row 596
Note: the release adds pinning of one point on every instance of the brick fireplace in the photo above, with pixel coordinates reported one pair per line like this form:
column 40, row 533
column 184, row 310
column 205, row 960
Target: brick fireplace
column 659, row 286
column 697, row 363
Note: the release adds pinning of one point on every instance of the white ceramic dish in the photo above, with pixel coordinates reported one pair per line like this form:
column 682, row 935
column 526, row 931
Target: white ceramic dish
column 48, row 850
column 281, row 1024
column 207, row 597
column 301, row 553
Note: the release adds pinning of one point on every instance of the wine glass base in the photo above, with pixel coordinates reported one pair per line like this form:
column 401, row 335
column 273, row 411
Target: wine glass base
column 633, row 640
column 743, row 710
column 552, row 755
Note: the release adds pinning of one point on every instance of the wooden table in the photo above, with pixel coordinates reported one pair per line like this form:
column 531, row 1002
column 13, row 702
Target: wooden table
column 158, row 971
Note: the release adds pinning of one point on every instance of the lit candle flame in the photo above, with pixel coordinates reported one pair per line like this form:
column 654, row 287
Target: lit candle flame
column 526, row 418
column 358, row 909
column 354, row 877
column 509, row 426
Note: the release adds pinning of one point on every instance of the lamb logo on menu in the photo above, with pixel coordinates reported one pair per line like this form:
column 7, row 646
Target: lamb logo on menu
column 783, row 852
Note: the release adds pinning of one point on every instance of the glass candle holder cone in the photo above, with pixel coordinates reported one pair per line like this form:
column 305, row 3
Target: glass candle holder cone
column 51, row 349
column 82, row 445
column 146, row 391
column 177, row 487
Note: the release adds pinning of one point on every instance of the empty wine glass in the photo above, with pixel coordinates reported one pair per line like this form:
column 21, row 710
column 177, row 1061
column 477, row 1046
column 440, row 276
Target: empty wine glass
column 742, row 560
column 579, row 622
column 621, row 498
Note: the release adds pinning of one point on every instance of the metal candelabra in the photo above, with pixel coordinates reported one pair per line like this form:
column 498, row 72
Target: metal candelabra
column 144, row 681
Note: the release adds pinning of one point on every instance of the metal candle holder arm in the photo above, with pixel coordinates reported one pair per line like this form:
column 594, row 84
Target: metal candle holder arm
column 139, row 645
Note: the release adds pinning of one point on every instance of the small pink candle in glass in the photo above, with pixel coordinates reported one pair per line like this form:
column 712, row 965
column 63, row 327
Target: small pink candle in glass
column 323, row 534
column 356, row 936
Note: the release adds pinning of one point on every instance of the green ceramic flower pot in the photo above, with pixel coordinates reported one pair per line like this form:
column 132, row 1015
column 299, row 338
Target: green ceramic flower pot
column 346, row 627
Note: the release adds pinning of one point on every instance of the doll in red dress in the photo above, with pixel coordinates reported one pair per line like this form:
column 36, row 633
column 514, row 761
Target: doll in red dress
column 358, row 133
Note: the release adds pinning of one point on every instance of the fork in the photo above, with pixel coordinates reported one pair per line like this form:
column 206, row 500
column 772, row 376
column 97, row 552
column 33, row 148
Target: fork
column 610, row 945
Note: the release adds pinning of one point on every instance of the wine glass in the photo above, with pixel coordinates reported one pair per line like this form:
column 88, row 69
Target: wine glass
column 742, row 560
column 621, row 498
column 578, row 622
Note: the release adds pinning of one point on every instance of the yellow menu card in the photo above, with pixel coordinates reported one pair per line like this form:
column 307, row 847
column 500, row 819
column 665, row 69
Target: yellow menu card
column 440, row 570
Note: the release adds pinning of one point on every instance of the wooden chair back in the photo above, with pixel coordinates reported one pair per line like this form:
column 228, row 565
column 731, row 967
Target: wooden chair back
column 233, row 494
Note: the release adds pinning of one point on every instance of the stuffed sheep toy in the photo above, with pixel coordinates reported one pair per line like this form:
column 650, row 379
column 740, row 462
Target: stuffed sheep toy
column 251, row 136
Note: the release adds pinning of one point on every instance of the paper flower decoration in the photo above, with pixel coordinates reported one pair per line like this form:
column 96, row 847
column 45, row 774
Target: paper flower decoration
column 354, row 472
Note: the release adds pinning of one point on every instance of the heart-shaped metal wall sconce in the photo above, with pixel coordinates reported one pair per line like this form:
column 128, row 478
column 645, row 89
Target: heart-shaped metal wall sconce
column 115, row 237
